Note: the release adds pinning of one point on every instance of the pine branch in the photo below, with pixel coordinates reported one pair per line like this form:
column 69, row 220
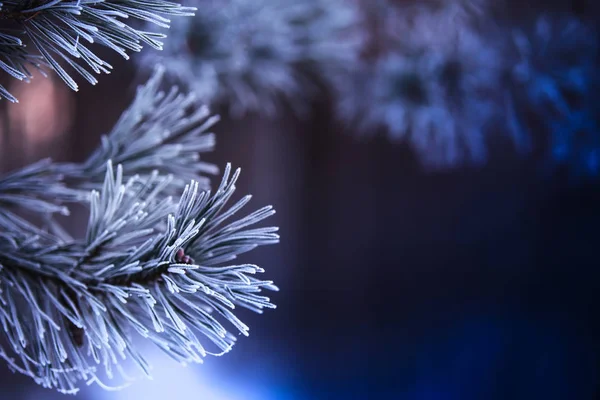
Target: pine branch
column 451, row 79
column 165, row 131
column 249, row 55
column 438, row 102
column 37, row 189
column 136, row 275
column 62, row 30
column 147, row 264
column 554, row 89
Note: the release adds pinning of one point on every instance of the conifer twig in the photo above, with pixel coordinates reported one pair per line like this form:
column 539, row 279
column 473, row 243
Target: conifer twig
column 64, row 32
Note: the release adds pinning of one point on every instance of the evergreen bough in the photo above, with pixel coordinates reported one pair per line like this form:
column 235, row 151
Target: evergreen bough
column 65, row 34
column 157, row 259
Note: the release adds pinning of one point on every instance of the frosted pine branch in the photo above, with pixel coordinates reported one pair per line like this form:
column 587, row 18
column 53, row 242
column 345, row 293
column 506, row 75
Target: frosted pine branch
column 554, row 89
column 165, row 131
column 147, row 266
column 453, row 79
column 253, row 55
column 36, row 189
column 437, row 101
column 64, row 32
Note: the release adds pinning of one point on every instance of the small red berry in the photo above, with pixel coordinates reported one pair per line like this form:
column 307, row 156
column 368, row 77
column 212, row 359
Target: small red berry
column 182, row 258
column 179, row 256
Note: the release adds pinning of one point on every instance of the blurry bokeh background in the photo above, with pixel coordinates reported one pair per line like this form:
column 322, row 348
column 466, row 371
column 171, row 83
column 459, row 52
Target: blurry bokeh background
column 396, row 282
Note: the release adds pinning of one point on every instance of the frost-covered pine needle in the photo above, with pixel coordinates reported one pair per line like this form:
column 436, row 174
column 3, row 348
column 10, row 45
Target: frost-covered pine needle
column 448, row 76
column 164, row 131
column 431, row 87
column 149, row 265
column 66, row 32
column 554, row 91
column 251, row 55
column 161, row 130
column 160, row 269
